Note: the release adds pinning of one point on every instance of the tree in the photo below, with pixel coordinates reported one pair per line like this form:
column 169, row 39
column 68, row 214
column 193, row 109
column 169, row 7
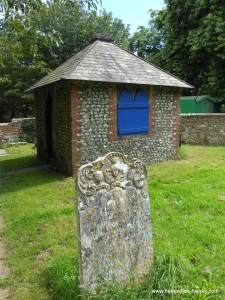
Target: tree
column 26, row 5
column 191, row 35
column 147, row 43
column 35, row 42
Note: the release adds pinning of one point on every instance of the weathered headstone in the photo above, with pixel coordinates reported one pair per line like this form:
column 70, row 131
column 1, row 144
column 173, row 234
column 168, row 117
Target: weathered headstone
column 114, row 221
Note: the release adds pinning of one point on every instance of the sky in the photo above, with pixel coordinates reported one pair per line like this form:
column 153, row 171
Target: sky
column 133, row 12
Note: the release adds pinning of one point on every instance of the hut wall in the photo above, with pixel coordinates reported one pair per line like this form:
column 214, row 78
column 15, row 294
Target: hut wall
column 61, row 157
column 62, row 119
column 94, row 123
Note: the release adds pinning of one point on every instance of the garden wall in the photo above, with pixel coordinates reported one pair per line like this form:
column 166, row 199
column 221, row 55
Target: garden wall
column 12, row 131
column 203, row 129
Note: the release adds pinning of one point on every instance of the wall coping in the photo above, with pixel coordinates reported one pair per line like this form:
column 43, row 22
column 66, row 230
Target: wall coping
column 203, row 115
column 21, row 119
column 16, row 120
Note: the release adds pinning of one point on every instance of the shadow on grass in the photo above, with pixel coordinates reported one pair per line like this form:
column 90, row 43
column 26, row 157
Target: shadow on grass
column 11, row 164
column 34, row 180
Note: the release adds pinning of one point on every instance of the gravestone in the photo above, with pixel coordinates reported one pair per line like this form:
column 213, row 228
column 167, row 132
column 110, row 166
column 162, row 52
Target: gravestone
column 113, row 221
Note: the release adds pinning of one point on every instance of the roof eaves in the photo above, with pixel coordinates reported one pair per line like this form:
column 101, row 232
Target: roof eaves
column 48, row 80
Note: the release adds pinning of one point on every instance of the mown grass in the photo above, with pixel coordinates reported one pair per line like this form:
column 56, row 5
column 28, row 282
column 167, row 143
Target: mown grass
column 187, row 208
column 19, row 157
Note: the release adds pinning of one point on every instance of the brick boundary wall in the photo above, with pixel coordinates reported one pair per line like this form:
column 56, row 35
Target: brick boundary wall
column 203, row 129
column 9, row 132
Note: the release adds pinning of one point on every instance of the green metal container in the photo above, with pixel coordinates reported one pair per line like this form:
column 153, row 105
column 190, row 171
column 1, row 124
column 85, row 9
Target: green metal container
column 196, row 104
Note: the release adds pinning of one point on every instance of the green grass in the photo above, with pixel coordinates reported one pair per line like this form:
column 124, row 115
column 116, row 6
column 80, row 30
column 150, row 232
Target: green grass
column 187, row 209
column 19, row 157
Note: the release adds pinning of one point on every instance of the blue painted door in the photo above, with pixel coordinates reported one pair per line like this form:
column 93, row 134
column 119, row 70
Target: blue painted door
column 133, row 114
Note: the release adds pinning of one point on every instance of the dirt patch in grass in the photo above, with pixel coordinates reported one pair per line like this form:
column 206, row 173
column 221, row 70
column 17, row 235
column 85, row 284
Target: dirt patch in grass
column 44, row 254
column 4, row 268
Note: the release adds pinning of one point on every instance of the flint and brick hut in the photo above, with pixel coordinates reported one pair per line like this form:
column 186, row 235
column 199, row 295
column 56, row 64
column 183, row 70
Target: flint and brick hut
column 106, row 99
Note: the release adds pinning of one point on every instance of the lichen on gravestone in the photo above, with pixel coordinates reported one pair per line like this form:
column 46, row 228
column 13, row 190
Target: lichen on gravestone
column 114, row 225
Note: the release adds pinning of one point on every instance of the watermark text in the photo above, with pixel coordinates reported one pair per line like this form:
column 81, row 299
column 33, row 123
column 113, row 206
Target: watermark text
column 183, row 291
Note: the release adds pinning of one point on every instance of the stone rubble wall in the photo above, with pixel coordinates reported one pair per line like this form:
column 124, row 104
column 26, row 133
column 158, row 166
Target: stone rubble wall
column 9, row 132
column 203, row 129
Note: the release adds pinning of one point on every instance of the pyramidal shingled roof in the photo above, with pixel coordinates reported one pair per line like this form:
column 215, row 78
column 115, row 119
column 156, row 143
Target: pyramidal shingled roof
column 103, row 61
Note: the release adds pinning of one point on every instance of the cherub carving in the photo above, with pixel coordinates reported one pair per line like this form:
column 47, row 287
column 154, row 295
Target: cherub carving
column 91, row 181
column 139, row 177
column 116, row 174
column 86, row 182
column 98, row 178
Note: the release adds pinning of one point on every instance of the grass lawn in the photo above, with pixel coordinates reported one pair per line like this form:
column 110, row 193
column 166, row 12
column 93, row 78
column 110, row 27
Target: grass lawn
column 187, row 209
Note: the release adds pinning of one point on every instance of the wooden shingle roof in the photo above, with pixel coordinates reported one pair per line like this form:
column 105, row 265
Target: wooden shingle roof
column 103, row 61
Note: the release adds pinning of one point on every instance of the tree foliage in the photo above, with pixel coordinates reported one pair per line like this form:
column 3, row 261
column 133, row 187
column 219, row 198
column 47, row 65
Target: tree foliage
column 147, row 43
column 187, row 38
column 27, row 5
column 34, row 42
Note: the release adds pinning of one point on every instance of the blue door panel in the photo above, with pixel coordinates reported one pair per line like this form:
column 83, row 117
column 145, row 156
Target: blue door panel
column 133, row 105
column 141, row 97
column 133, row 120
column 133, row 115
column 125, row 97
column 130, row 131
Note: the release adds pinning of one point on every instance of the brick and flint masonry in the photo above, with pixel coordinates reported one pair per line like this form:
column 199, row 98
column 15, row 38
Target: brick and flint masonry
column 85, row 117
